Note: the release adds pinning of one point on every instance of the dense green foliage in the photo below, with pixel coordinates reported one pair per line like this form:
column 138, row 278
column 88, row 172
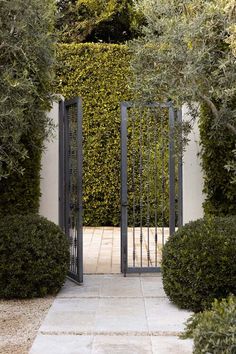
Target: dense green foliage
column 26, row 61
column 217, row 151
column 110, row 21
column 213, row 331
column 34, row 256
column 199, row 262
column 186, row 54
column 100, row 74
column 20, row 194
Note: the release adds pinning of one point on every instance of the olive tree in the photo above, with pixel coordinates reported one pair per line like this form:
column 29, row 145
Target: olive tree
column 26, row 70
column 187, row 54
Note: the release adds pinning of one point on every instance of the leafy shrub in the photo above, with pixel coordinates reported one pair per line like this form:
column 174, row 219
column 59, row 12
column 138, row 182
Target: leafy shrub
column 27, row 57
column 199, row 262
column 20, row 194
column 217, row 152
column 34, row 256
column 213, row 331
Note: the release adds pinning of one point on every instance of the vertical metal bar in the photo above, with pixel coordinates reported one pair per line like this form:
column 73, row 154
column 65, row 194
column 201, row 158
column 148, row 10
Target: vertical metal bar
column 180, row 171
column 141, row 188
column 67, row 175
column 80, row 189
column 162, row 180
column 69, row 161
column 124, row 196
column 133, row 186
column 171, row 171
column 155, row 182
column 148, row 186
column 61, row 165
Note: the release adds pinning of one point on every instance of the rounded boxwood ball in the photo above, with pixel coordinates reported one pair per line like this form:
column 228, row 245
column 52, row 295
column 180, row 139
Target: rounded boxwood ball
column 199, row 263
column 34, row 256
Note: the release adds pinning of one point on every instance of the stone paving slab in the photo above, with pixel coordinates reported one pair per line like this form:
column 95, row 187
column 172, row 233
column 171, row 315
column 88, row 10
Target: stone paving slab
column 121, row 345
column 163, row 316
column 111, row 314
column 71, row 344
column 152, row 287
column 121, row 315
column 71, row 316
column 124, row 287
column 67, row 344
column 171, row 345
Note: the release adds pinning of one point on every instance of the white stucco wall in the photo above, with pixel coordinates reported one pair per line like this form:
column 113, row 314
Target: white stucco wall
column 50, row 173
column 193, row 196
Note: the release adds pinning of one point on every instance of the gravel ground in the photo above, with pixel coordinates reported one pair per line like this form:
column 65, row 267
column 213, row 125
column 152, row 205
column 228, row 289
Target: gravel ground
column 19, row 323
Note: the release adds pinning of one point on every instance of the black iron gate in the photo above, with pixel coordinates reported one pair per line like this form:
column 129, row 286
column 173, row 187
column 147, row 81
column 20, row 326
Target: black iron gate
column 151, row 177
column 151, row 183
column 70, row 194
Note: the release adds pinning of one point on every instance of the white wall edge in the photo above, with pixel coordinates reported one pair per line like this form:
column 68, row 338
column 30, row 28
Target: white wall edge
column 49, row 183
column 193, row 196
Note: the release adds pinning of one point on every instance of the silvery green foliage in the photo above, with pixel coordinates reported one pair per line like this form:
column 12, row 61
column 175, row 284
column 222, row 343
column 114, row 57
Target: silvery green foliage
column 187, row 53
column 231, row 166
column 213, row 331
column 26, row 59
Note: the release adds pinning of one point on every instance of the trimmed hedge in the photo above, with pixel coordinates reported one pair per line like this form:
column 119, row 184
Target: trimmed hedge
column 34, row 256
column 213, row 331
column 217, row 151
column 199, row 263
column 99, row 73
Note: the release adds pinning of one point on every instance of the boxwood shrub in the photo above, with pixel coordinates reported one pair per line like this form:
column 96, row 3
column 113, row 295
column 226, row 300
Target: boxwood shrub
column 199, row 262
column 213, row 331
column 34, row 256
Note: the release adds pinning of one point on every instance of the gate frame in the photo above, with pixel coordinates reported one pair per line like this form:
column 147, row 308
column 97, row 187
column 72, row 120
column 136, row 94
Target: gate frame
column 124, row 178
column 64, row 180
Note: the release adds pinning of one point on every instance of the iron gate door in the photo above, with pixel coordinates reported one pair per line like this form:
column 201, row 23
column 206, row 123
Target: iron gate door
column 71, row 170
column 151, row 183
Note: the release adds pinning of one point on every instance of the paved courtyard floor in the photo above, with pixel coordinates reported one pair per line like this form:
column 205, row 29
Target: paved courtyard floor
column 102, row 248
column 111, row 314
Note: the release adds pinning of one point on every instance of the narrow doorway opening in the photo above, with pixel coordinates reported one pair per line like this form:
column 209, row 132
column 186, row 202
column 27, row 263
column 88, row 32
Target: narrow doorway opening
column 148, row 192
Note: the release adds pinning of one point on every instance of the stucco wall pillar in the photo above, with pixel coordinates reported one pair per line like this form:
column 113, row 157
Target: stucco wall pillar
column 193, row 196
column 49, row 205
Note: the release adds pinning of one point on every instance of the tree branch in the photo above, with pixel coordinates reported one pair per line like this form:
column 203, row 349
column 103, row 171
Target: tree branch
column 216, row 113
column 211, row 105
column 231, row 128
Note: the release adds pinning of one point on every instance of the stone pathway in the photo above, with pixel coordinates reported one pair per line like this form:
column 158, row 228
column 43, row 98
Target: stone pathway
column 111, row 314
